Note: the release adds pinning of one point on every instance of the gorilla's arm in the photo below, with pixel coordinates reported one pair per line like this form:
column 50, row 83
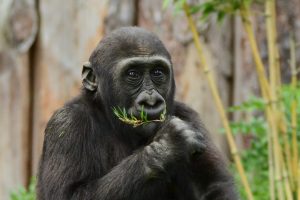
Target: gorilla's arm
column 68, row 165
column 208, row 169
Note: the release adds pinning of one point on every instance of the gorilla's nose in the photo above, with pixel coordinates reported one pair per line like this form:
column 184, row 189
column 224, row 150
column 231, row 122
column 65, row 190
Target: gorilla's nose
column 152, row 103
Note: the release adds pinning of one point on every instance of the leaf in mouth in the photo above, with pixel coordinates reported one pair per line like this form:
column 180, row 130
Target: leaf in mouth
column 122, row 115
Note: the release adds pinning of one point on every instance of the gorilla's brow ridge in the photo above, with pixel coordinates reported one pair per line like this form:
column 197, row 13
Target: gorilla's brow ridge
column 143, row 59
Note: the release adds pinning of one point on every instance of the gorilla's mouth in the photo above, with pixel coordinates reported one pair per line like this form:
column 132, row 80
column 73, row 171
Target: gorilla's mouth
column 150, row 112
column 148, row 107
column 147, row 112
column 137, row 116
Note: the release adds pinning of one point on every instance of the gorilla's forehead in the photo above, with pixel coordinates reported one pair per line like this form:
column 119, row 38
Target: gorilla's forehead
column 135, row 41
column 139, row 46
column 129, row 44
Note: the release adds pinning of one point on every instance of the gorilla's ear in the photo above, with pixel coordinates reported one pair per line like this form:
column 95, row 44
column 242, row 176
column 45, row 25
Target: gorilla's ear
column 88, row 77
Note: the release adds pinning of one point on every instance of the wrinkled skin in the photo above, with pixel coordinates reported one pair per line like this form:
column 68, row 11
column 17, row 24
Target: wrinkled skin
column 89, row 153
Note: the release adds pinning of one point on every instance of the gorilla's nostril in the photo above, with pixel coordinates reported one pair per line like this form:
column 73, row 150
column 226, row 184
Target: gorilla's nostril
column 151, row 102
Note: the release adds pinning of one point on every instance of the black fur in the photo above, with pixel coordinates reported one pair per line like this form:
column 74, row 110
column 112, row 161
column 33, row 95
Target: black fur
column 89, row 154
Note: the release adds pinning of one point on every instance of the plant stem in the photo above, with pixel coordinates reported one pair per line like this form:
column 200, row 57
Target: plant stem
column 272, row 62
column 276, row 151
column 274, row 84
column 287, row 185
column 294, row 111
column 245, row 15
column 269, row 95
column 271, row 48
column 298, row 190
column 220, row 107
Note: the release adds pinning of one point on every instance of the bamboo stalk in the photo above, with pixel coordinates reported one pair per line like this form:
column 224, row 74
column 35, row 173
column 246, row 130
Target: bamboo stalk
column 288, row 190
column 264, row 85
column 277, row 57
column 294, row 111
column 273, row 67
column 271, row 111
column 220, row 107
column 271, row 53
column 275, row 81
column 298, row 190
column 287, row 151
column 271, row 166
column 271, row 43
column 276, row 152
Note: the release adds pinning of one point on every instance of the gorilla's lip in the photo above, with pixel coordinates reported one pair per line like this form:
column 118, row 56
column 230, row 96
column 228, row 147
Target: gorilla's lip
column 152, row 113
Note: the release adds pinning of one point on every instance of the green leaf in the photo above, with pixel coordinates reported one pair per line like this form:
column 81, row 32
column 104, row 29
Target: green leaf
column 132, row 120
column 124, row 113
column 220, row 17
column 179, row 5
column 208, row 8
column 166, row 3
column 195, row 9
column 25, row 194
column 253, row 104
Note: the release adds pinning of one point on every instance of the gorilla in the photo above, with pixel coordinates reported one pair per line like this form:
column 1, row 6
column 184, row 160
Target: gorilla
column 89, row 153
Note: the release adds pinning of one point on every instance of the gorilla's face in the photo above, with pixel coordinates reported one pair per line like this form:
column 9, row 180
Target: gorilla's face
column 134, row 72
column 144, row 84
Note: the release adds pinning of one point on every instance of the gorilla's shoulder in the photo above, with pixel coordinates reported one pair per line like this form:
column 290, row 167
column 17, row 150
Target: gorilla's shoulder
column 182, row 110
column 75, row 108
column 188, row 114
column 74, row 116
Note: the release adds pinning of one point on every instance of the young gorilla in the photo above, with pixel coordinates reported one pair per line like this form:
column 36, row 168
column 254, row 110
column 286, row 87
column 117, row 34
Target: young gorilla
column 89, row 153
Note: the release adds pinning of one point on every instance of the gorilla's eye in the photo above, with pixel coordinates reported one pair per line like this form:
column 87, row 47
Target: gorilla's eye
column 157, row 72
column 133, row 74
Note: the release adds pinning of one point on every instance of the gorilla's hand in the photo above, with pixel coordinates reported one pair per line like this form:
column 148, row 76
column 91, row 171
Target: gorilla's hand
column 175, row 141
column 182, row 137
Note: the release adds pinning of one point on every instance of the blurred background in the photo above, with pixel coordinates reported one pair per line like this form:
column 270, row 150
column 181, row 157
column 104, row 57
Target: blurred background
column 43, row 44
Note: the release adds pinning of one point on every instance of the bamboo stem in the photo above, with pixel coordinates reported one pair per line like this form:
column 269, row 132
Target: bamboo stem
column 264, row 85
column 271, row 53
column 298, row 190
column 271, row 43
column 288, row 156
column 277, row 57
column 294, row 111
column 220, row 107
column 275, row 81
column 273, row 67
column 274, row 75
column 271, row 166
column 288, row 190
column 270, row 97
column 276, row 152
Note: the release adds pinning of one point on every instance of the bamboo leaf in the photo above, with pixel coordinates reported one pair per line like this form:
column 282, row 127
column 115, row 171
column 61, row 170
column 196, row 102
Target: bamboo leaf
column 166, row 3
column 220, row 17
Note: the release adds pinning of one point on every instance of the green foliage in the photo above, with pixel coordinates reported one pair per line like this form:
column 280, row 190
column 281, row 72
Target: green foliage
column 178, row 4
column 25, row 194
column 255, row 137
column 253, row 104
column 288, row 94
column 255, row 160
column 132, row 120
column 255, row 129
column 255, row 156
column 220, row 8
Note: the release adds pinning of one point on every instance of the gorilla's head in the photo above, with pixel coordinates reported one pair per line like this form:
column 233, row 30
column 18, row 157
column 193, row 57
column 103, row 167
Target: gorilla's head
column 131, row 68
